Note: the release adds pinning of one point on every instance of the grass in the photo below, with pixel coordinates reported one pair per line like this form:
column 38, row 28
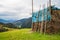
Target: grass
column 26, row 34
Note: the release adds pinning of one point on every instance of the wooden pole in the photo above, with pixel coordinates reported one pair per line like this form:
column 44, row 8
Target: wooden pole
column 37, row 22
column 44, row 20
column 50, row 12
column 38, row 19
column 50, row 6
column 32, row 16
column 42, row 23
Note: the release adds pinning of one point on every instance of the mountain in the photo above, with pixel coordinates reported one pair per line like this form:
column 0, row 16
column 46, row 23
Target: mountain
column 27, row 23
column 6, row 21
column 19, row 22
column 3, row 21
column 24, row 23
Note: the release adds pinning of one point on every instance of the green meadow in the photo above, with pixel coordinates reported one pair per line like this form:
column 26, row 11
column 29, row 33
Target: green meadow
column 27, row 34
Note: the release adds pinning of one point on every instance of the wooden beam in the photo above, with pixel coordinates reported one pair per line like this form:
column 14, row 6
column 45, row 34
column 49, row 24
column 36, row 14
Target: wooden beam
column 32, row 16
column 39, row 17
column 42, row 23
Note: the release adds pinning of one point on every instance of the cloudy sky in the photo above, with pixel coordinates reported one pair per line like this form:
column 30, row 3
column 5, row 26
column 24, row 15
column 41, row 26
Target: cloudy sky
column 19, row 9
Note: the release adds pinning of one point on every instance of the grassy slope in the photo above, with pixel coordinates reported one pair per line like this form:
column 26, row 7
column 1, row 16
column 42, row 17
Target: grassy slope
column 26, row 34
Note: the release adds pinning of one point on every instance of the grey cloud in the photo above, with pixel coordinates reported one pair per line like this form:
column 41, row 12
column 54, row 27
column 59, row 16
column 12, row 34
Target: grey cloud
column 7, row 14
column 19, row 8
column 23, row 7
column 1, row 5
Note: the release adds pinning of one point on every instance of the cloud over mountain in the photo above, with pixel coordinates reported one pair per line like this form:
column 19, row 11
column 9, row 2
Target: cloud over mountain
column 18, row 9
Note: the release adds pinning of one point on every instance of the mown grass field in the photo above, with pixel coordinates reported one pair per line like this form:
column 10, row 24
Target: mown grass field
column 26, row 34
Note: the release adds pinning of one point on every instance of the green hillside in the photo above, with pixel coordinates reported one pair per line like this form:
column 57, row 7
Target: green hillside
column 26, row 34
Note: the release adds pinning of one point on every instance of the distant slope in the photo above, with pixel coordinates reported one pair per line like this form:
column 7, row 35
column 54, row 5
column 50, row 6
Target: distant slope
column 3, row 21
column 27, row 23
column 19, row 22
column 24, row 23
column 6, row 21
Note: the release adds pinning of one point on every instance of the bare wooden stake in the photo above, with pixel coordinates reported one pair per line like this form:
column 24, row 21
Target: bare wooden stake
column 50, row 6
column 32, row 16
column 38, row 19
column 42, row 23
column 44, row 20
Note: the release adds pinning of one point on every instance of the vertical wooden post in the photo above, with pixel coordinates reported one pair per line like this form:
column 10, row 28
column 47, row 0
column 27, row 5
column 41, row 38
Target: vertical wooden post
column 46, row 19
column 42, row 23
column 45, row 26
column 49, row 9
column 32, row 16
column 50, row 6
column 39, row 18
column 37, row 22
